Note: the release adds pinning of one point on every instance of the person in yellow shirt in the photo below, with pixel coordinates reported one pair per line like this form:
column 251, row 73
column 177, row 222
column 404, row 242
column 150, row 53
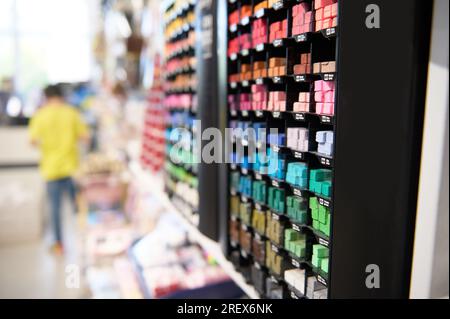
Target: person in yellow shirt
column 56, row 129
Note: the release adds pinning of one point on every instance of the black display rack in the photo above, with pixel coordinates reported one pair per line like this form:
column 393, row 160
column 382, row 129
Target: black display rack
column 377, row 129
column 184, row 171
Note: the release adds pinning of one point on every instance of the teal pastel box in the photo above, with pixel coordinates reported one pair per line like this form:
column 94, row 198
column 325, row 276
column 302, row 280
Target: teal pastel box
column 289, row 201
column 302, row 217
column 318, row 188
column 326, row 189
column 320, row 251
column 324, row 263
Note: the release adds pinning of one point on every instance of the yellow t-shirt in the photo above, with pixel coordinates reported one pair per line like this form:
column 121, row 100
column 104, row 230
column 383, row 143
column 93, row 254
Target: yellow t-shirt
column 57, row 129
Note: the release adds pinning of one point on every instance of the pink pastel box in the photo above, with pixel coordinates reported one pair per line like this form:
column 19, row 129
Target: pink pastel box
column 297, row 107
column 323, row 85
column 280, row 96
column 326, row 23
column 282, row 106
column 327, row 11
column 319, row 96
column 318, row 25
column 329, row 97
column 298, row 20
column 308, row 17
column 319, row 108
column 328, row 108
column 322, row 3
column 334, row 10
column 319, row 14
column 258, row 88
column 304, row 97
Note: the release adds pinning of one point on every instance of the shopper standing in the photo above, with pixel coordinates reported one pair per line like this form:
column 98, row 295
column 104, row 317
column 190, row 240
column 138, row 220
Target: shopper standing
column 56, row 129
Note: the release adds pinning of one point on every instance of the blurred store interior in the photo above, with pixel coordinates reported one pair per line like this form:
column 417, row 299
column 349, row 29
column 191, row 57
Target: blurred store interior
column 139, row 229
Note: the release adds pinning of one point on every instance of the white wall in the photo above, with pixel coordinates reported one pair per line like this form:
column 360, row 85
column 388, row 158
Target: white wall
column 431, row 247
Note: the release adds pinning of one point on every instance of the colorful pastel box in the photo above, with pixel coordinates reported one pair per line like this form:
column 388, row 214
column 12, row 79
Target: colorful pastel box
column 320, row 182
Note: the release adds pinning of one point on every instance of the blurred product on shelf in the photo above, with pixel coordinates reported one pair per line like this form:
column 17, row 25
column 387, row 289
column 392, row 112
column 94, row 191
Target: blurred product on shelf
column 103, row 182
column 152, row 145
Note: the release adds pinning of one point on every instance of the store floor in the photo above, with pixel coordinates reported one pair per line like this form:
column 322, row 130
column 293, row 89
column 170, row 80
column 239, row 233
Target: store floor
column 30, row 270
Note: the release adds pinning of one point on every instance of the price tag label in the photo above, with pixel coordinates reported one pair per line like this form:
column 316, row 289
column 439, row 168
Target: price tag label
column 295, row 227
column 299, row 116
column 278, row 5
column 244, row 52
column 233, row 28
column 278, row 43
column 260, row 13
column 276, row 149
column 276, row 115
column 297, row 192
column 328, row 76
column 277, row 79
column 244, row 253
column 275, row 248
column 244, row 171
column 275, row 183
column 295, row 263
column 275, row 216
column 258, row 236
column 244, row 199
column 325, row 119
column 325, row 161
column 321, row 280
column 300, row 78
column 301, row 37
column 298, row 155
column 259, row 113
column 258, row 206
column 245, row 21
column 324, row 202
column 257, row 266
column 233, row 192
column 245, row 113
column 258, row 176
column 330, row 31
column 245, row 83
column 323, row 242
column 233, row 85
column 260, row 47
column 294, row 296
column 244, row 227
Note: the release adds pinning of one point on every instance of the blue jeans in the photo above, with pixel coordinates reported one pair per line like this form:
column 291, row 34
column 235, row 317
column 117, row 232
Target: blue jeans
column 56, row 190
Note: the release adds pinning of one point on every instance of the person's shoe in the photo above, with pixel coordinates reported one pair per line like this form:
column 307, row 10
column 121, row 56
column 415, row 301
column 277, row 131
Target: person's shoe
column 57, row 249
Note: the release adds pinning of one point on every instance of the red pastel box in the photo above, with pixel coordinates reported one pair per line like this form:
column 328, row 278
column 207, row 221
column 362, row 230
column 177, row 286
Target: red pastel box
column 298, row 20
column 322, row 3
column 334, row 23
column 319, row 14
column 327, row 12
column 308, row 17
column 326, row 23
column 334, row 10
column 319, row 25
